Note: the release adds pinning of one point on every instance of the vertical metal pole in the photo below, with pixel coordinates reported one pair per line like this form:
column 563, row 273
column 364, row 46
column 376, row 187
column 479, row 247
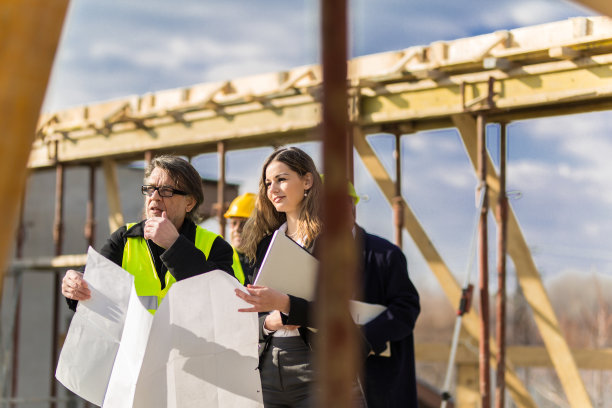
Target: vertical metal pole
column 349, row 155
column 336, row 350
column 17, row 318
column 58, row 237
column 221, row 187
column 90, row 220
column 484, row 351
column 148, row 156
column 502, row 233
column 398, row 206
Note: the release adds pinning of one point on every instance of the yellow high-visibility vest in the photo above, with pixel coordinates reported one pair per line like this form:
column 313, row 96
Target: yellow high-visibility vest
column 138, row 260
column 237, row 267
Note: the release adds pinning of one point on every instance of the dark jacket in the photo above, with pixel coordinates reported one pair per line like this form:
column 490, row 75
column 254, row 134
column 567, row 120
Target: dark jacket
column 247, row 267
column 182, row 259
column 389, row 381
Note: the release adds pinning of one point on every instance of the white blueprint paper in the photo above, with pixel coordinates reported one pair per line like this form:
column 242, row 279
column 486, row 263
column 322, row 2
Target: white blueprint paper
column 201, row 353
column 122, row 383
column 363, row 312
column 88, row 354
column 197, row 350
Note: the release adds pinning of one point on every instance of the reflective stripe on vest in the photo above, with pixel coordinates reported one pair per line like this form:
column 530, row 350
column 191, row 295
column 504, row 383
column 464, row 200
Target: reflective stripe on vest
column 149, row 302
column 138, row 261
column 237, row 267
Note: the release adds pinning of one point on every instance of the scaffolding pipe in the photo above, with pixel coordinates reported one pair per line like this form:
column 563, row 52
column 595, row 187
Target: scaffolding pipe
column 148, row 157
column 221, row 187
column 336, row 349
column 398, row 206
column 17, row 315
column 484, row 349
column 502, row 233
column 349, row 155
column 58, row 238
column 90, row 220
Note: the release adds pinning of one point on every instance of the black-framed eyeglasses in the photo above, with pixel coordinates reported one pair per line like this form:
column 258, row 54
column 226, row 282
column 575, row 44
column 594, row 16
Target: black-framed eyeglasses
column 163, row 191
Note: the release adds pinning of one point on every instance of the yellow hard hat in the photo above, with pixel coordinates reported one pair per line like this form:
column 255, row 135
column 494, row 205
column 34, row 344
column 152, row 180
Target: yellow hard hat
column 241, row 207
column 351, row 190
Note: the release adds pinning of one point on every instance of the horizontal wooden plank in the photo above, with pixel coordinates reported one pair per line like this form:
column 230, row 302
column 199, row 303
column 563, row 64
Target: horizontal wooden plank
column 551, row 69
column 50, row 263
column 521, row 356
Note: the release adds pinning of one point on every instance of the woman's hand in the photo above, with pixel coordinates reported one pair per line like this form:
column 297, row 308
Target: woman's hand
column 274, row 322
column 74, row 286
column 263, row 299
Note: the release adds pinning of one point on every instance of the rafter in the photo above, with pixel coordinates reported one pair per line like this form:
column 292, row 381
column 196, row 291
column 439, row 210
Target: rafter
column 539, row 71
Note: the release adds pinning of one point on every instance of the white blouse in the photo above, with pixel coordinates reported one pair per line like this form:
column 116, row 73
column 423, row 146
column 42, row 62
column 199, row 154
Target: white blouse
column 285, row 332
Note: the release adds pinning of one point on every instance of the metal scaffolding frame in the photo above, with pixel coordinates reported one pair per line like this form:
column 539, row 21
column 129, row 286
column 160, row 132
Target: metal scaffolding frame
column 531, row 72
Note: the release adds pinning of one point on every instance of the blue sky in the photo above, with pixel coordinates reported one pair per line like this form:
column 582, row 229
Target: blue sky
column 561, row 165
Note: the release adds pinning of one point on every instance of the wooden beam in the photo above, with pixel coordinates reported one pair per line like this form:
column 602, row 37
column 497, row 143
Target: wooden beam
column 467, row 390
column 259, row 110
column 522, row 356
column 253, row 125
column 536, row 87
column 115, row 216
column 560, row 87
column 563, row 53
column 50, row 263
column 29, row 34
column 601, row 6
column 529, row 278
column 447, row 280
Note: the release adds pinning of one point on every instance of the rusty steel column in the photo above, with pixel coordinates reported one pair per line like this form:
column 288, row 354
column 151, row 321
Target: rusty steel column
column 336, row 348
column 90, row 220
column 221, row 187
column 502, row 233
column 17, row 315
column 484, row 349
column 148, row 157
column 349, row 155
column 398, row 206
column 58, row 238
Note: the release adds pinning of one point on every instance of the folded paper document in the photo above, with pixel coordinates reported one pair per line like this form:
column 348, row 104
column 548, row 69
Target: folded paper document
column 197, row 350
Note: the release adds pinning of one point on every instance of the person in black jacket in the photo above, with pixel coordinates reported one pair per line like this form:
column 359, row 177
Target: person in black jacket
column 389, row 372
column 288, row 200
column 173, row 193
column 389, row 366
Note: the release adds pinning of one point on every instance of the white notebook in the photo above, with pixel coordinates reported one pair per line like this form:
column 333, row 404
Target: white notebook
column 290, row 269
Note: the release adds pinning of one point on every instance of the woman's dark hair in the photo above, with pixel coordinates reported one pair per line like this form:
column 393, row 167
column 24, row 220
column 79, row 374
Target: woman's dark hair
column 184, row 175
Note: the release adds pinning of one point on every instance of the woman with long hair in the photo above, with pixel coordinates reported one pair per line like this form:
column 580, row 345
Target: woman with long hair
column 288, row 200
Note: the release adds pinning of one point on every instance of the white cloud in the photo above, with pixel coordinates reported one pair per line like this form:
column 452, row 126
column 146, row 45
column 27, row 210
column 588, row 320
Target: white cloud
column 585, row 144
column 524, row 13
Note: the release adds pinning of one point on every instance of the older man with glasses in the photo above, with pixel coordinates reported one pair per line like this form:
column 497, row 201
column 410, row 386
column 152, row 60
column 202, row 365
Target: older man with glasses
column 168, row 240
